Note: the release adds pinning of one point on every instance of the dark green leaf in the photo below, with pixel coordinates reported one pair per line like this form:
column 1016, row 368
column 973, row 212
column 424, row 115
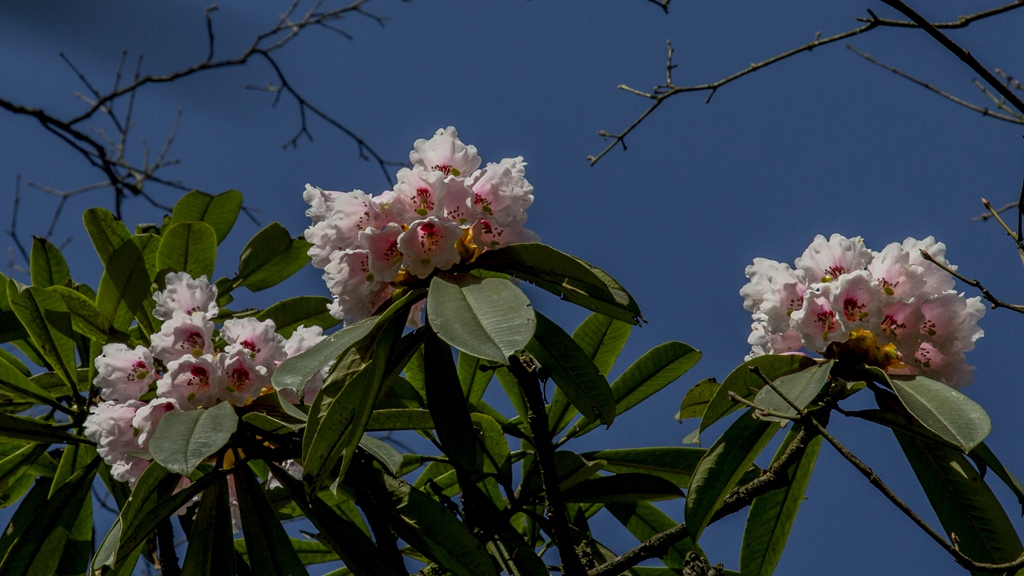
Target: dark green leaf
column 400, row 419
column 943, row 410
column 658, row 368
column 294, row 372
column 86, row 318
column 669, row 462
column 722, row 467
column 963, row 501
column 985, row 458
column 602, row 339
column 308, row 551
column 801, row 388
column 496, row 454
column 16, row 466
column 184, row 439
column 271, row 257
column 14, row 382
column 564, row 276
column 644, row 520
column 34, row 430
column 474, row 374
column 573, row 372
column 124, row 286
column 697, row 399
column 188, row 247
column 305, row 311
column 343, row 536
column 219, row 211
column 270, row 549
column 47, row 266
column 106, row 231
column 746, row 384
column 448, row 406
column 50, row 528
column 489, row 318
column 210, row 540
column 772, row 514
column 48, row 322
column 436, row 532
column 10, row 325
column 382, row 452
column 628, row 487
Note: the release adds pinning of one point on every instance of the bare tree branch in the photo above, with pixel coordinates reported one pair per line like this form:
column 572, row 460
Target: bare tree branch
column 667, row 90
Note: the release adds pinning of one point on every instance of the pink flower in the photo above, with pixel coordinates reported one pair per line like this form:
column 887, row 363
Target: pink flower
column 183, row 335
column 186, row 294
column 419, row 193
column 241, row 377
column 489, row 235
column 192, row 381
column 124, row 374
column 445, row 153
column 148, row 417
column 827, row 260
column 266, row 347
column 501, row 192
column 429, row 244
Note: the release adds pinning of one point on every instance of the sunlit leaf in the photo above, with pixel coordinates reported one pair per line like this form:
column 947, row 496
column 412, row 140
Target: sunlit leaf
column 723, row 466
column 188, row 247
column 565, row 276
column 697, row 399
column 270, row 257
column 986, row 459
column 106, row 232
column 801, row 388
column 489, row 318
column 48, row 322
column 772, row 514
column 124, row 286
column 672, row 463
column 184, row 439
column 943, row 410
column 220, row 211
column 474, row 374
column 47, row 266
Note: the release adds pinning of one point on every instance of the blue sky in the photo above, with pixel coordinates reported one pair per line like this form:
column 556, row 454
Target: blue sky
column 821, row 143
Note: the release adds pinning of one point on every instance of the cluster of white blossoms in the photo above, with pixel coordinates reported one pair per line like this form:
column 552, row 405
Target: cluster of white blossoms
column 187, row 370
column 892, row 309
column 443, row 210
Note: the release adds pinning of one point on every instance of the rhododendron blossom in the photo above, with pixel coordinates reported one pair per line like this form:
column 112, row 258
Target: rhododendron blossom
column 443, row 210
column 893, row 309
column 189, row 371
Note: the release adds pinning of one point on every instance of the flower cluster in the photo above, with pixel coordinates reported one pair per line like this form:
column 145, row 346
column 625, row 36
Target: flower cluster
column 443, row 210
column 188, row 371
column 893, row 309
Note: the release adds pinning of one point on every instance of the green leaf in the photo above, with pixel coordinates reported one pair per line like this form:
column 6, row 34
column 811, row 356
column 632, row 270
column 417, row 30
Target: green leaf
column 746, row 384
column 573, row 372
column 48, row 322
column 343, row 536
column 270, row 549
column 474, row 374
column 220, row 211
column 336, row 424
column 644, row 520
column 294, row 372
column 963, row 501
column 86, row 318
column 435, row 531
column 14, row 467
column 14, row 382
column 448, row 406
column 697, row 399
column 669, row 462
column 659, row 367
column 34, row 430
column 564, row 276
column 400, row 419
column 801, row 388
column 985, row 458
column 188, row 247
column 722, row 467
column 772, row 514
column 272, row 256
column 106, row 232
column 184, row 439
column 41, row 543
column 155, row 498
column 124, row 287
column 211, row 538
column 305, row 311
column 47, row 266
column 308, row 551
column 494, row 447
column 489, row 318
column 602, row 339
column 627, row 487
column 943, row 410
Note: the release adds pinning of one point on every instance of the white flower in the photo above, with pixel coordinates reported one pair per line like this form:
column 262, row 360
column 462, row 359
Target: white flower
column 429, row 244
column 183, row 335
column 445, row 153
column 501, row 192
column 266, row 347
column 192, row 381
column 241, row 377
column 187, row 294
column 418, row 194
column 148, row 417
column 827, row 260
column 124, row 374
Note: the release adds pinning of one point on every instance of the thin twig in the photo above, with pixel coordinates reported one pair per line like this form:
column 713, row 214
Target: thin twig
column 1015, row 236
column 666, row 91
column 1018, row 119
column 973, row 283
